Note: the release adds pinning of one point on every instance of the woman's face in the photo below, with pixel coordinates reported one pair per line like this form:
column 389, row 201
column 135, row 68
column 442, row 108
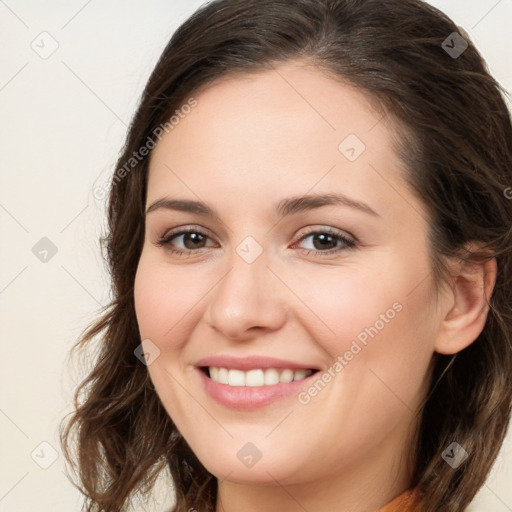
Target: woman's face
column 307, row 251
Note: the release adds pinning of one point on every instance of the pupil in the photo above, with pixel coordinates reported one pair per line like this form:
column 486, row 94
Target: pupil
column 324, row 238
column 195, row 239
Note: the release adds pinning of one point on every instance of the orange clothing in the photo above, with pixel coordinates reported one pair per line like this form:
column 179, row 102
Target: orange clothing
column 405, row 502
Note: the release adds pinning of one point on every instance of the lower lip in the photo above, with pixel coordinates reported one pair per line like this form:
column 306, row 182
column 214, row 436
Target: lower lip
column 248, row 398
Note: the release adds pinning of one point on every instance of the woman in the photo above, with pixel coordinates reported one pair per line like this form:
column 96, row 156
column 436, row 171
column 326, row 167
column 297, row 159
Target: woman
column 309, row 240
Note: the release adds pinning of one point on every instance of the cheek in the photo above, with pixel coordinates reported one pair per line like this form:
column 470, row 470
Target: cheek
column 164, row 300
column 378, row 321
column 378, row 317
column 389, row 300
column 384, row 328
column 378, row 330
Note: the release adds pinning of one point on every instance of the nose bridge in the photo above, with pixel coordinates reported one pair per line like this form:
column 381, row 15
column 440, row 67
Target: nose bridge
column 248, row 295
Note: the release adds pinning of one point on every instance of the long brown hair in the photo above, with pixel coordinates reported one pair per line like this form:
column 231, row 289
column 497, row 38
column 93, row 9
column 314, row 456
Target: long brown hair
column 456, row 142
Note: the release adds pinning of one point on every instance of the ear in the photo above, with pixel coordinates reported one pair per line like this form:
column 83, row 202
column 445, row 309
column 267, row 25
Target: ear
column 466, row 305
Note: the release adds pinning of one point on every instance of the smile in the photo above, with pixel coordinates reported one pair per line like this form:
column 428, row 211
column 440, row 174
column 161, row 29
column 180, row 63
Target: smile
column 256, row 377
column 251, row 383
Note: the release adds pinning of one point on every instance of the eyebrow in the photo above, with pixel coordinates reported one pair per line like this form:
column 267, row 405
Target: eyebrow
column 284, row 208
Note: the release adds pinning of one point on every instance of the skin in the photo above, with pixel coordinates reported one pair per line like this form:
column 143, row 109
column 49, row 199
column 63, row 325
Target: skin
column 347, row 449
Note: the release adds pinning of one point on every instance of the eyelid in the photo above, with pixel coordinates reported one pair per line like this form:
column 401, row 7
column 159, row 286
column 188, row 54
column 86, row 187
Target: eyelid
column 347, row 239
column 165, row 239
column 328, row 229
column 187, row 228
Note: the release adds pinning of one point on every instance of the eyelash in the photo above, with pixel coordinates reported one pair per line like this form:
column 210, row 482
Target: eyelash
column 347, row 242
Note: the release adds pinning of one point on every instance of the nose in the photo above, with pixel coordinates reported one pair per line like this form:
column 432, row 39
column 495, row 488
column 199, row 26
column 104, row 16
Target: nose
column 249, row 299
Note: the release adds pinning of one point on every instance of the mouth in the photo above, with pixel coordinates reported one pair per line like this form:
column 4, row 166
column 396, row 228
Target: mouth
column 249, row 383
column 257, row 377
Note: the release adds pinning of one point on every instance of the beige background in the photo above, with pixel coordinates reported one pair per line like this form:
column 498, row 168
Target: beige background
column 63, row 119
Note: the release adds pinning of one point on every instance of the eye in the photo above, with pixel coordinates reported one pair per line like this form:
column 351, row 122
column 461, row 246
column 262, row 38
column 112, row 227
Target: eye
column 327, row 241
column 192, row 238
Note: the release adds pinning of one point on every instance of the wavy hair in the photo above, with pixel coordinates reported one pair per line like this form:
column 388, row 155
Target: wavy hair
column 456, row 144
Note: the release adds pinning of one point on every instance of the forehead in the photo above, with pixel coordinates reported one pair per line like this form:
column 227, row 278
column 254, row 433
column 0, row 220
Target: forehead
column 279, row 132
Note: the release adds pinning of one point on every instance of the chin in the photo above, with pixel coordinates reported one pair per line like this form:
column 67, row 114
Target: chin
column 266, row 471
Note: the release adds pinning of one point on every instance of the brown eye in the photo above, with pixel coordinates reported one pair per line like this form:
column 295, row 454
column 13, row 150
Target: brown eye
column 186, row 240
column 327, row 241
column 193, row 240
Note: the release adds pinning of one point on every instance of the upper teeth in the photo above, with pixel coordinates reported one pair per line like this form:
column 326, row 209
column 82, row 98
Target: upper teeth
column 257, row 377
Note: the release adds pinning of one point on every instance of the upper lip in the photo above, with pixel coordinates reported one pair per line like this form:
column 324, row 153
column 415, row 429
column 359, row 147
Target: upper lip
column 251, row 363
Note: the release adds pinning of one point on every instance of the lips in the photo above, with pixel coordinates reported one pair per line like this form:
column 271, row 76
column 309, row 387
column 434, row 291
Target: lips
column 250, row 383
column 251, row 363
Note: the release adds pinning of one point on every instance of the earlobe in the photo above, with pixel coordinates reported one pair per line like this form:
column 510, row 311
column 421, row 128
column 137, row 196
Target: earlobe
column 470, row 295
